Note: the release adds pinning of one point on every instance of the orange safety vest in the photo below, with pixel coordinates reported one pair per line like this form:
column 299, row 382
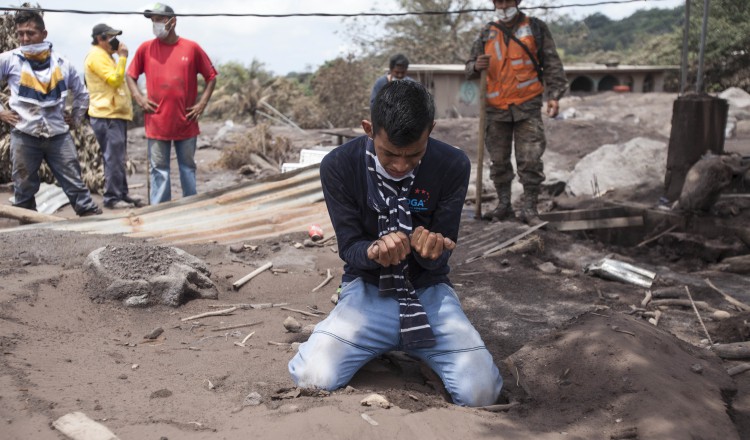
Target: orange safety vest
column 511, row 77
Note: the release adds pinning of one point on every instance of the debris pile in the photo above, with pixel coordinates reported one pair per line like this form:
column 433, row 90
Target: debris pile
column 141, row 275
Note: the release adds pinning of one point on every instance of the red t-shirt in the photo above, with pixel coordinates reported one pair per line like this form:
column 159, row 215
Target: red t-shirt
column 172, row 83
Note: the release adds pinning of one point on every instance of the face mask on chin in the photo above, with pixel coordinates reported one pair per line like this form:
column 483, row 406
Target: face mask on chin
column 507, row 14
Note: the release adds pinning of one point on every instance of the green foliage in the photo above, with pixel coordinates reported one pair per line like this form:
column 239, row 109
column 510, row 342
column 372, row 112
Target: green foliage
column 233, row 75
column 727, row 56
column 588, row 39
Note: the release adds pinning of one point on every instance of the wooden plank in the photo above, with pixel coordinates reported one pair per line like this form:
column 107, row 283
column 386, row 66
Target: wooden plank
column 26, row 215
column 606, row 223
column 583, row 214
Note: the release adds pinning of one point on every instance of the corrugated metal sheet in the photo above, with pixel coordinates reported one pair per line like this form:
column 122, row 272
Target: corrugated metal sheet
column 269, row 207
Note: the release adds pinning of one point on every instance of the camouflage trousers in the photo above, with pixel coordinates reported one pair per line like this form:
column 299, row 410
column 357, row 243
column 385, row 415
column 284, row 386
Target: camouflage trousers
column 530, row 143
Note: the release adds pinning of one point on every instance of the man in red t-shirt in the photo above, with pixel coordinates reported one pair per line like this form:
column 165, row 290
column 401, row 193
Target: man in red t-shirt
column 171, row 107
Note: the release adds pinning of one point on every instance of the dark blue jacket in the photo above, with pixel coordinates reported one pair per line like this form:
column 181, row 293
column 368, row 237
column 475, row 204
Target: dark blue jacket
column 436, row 199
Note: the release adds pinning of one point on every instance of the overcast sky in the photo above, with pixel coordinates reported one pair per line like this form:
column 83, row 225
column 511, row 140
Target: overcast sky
column 282, row 44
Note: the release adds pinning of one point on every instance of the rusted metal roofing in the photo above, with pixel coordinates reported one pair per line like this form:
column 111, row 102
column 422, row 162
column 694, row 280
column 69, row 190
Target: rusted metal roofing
column 277, row 205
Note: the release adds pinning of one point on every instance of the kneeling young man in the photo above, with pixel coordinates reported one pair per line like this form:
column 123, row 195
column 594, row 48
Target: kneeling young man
column 395, row 198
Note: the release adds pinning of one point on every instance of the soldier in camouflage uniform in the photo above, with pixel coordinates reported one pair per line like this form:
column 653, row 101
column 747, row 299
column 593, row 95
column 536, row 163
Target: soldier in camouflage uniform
column 517, row 78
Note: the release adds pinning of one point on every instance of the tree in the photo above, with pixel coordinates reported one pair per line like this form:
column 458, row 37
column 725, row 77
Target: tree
column 342, row 87
column 727, row 55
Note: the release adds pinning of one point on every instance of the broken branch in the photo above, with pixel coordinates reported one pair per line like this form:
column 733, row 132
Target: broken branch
column 300, row 311
column 250, row 306
column 682, row 303
column 232, row 327
column 499, row 407
column 737, row 369
column 216, row 313
column 655, row 319
column 329, row 277
column 647, row 299
column 657, row 236
column 740, row 305
column 237, row 284
column 735, row 350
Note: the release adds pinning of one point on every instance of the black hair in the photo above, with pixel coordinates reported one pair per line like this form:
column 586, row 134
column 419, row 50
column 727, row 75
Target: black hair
column 404, row 109
column 22, row 17
column 398, row 60
column 95, row 40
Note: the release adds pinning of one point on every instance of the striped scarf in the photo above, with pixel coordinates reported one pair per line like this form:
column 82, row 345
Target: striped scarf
column 42, row 81
column 389, row 199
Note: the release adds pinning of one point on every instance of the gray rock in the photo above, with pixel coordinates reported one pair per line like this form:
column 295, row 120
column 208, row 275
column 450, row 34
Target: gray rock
column 252, row 399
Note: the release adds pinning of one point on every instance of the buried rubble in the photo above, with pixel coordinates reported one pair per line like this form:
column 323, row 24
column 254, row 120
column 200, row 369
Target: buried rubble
column 143, row 275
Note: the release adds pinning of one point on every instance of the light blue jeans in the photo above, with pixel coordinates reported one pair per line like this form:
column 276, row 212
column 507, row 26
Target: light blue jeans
column 27, row 153
column 158, row 153
column 365, row 325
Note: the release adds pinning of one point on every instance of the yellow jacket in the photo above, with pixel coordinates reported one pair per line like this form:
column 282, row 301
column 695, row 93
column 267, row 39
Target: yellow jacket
column 108, row 93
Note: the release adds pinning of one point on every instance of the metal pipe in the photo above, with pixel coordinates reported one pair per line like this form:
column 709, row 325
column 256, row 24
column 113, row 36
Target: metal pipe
column 685, row 37
column 704, row 30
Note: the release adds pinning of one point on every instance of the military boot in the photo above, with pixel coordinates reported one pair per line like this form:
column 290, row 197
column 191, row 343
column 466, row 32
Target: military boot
column 503, row 211
column 529, row 213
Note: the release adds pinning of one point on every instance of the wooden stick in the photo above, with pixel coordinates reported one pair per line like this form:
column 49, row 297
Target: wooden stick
column 507, row 243
column 215, row 313
column 249, row 306
column 242, row 344
column 739, row 304
column 682, row 303
column 737, row 369
column 657, row 236
column 480, row 142
column 655, row 319
column 735, row 350
column 232, row 327
column 499, row 407
column 617, row 329
column 237, row 284
column 300, row 311
column 329, row 277
column 699, row 315
column 647, row 299
column 26, row 215
column 281, row 344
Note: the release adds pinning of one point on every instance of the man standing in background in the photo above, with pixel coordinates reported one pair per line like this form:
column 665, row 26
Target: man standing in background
column 110, row 109
column 40, row 81
column 171, row 65
column 522, row 63
column 397, row 68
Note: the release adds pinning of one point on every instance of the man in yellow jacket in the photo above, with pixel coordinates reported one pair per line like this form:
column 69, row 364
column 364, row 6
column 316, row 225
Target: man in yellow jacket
column 110, row 109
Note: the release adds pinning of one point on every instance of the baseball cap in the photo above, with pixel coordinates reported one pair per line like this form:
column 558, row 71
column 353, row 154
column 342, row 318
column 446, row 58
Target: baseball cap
column 159, row 9
column 103, row 28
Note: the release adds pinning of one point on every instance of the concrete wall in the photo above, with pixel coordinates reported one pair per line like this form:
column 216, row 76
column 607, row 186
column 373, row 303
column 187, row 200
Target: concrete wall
column 457, row 97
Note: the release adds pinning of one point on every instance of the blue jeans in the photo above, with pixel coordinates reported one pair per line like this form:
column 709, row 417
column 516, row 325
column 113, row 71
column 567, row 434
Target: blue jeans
column 112, row 137
column 158, row 153
column 27, row 153
column 365, row 325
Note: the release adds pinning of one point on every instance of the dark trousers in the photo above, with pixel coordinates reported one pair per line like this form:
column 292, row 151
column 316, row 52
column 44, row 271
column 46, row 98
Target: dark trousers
column 113, row 143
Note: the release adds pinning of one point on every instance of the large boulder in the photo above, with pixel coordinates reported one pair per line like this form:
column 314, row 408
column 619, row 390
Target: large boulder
column 638, row 161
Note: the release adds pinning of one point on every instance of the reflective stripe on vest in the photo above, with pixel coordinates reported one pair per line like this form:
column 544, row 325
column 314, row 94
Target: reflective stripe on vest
column 511, row 79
